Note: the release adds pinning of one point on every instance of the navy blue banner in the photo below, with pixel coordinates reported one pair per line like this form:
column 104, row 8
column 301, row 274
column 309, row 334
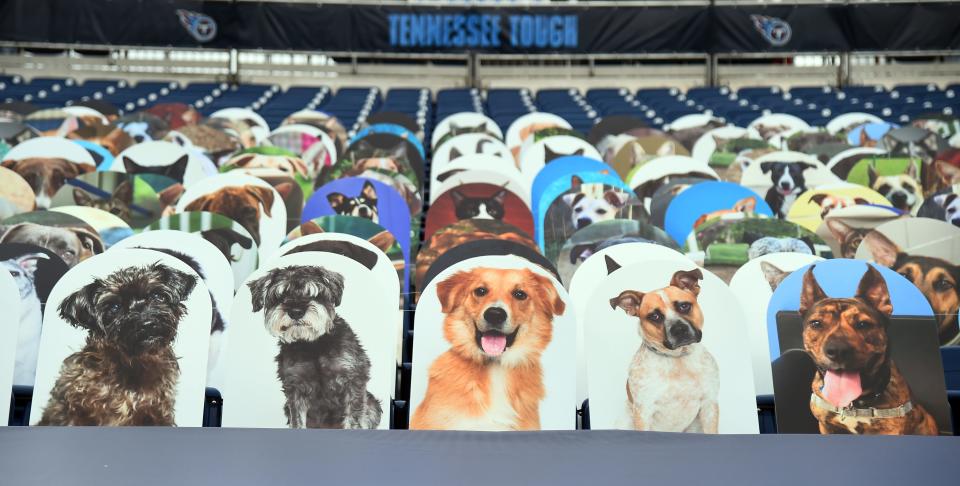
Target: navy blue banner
column 580, row 28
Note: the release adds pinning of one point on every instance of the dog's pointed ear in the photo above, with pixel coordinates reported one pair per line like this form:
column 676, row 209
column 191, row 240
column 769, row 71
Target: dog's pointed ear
column 612, row 265
column 452, row 291
column 628, row 300
column 766, row 167
column 949, row 174
column 884, row 251
column 123, row 192
column 262, row 194
column 872, row 176
column 369, row 191
column 130, row 166
column 180, row 166
column 746, row 205
column 547, row 292
column 913, row 171
column 81, row 198
column 78, row 308
column 873, row 289
column 838, row 228
column 688, row 280
column 258, row 291
column 183, row 283
column 773, row 274
column 810, row 293
column 336, row 200
column 575, row 183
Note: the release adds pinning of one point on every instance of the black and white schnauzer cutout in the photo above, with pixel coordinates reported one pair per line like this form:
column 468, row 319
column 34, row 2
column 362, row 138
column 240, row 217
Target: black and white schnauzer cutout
column 325, row 354
column 363, row 205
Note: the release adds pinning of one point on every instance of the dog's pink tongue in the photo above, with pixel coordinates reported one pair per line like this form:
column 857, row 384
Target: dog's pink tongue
column 841, row 387
column 493, row 343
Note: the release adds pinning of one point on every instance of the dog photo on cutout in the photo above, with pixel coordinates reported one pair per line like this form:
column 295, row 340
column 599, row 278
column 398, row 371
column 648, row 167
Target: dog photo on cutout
column 650, row 177
column 10, row 300
column 688, row 128
column 782, row 177
column 401, row 130
column 579, row 201
column 871, row 367
column 125, row 342
column 35, row 270
column 368, row 199
column 310, row 144
column 753, row 284
column 546, row 150
column 478, row 201
column 381, row 151
column 130, row 198
column 813, row 206
column 245, row 199
column 287, row 187
column 46, row 163
column 664, row 351
column 523, row 128
column 589, row 240
column 773, row 124
column 313, row 346
column 108, row 225
column 926, row 252
column 16, row 195
column 636, row 153
column 226, row 235
column 72, row 239
column 207, row 261
column 722, row 246
column 494, row 349
column 478, row 248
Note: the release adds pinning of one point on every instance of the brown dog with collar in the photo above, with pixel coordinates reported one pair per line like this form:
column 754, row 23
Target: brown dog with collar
column 857, row 388
column 239, row 203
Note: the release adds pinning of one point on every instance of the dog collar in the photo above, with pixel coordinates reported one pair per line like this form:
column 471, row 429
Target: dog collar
column 871, row 412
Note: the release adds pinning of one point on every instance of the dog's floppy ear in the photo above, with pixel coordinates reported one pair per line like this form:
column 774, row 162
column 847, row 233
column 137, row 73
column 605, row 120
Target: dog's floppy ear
column 29, row 261
column 201, row 203
column 581, row 251
column 628, row 300
column 123, row 192
column 838, row 228
column 264, row 195
column 89, row 240
column 818, row 198
column 944, row 200
column 687, row 280
column 949, row 174
column 182, row 282
column 334, row 283
column 453, row 290
column 615, row 199
column 78, row 307
column 873, row 289
column 310, row 228
column 548, row 299
column 243, row 160
column 336, row 200
column 860, row 200
column 766, row 167
column 81, row 198
column 258, row 290
column 883, row 250
column 10, row 164
column 810, row 293
column 807, row 165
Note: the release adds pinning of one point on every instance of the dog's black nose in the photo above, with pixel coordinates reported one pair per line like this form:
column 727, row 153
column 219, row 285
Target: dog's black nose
column 583, row 223
column 495, row 315
column 898, row 199
column 296, row 312
column 681, row 332
column 837, row 350
column 785, row 185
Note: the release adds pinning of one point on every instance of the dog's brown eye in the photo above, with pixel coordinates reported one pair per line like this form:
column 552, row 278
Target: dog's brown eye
column 861, row 325
column 114, row 308
column 815, row 324
column 942, row 285
column 655, row 317
column 683, row 307
column 519, row 295
column 601, row 211
column 480, row 291
column 157, row 296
